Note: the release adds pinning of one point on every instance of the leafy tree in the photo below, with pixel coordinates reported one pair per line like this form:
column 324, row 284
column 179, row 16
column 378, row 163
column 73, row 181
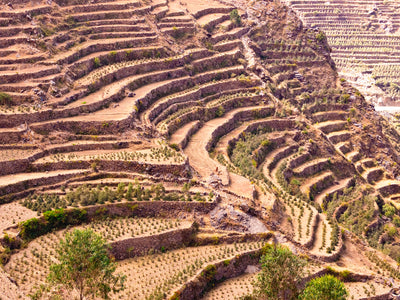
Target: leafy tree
column 280, row 272
column 129, row 192
column 85, row 266
column 121, row 190
column 326, row 287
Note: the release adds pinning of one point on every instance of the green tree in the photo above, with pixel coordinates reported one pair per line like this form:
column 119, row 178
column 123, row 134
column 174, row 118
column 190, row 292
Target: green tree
column 280, row 272
column 85, row 266
column 129, row 192
column 120, row 190
column 326, row 287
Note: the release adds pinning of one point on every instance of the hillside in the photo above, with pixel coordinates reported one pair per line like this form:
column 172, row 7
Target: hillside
column 187, row 133
column 364, row 36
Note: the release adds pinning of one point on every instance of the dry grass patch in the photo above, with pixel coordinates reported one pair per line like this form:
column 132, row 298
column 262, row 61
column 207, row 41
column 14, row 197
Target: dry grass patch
column 12, row 154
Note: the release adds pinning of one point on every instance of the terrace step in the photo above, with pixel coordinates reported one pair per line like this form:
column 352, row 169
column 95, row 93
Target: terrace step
column 109, row 14
column 181, row 136
column 199, row 157
column 115, row 5
column 19, row 182
column 23, row 60
column 344, row 147
column 338, row 188
column 373, row 174
column 339, row 136
column 314, row 185
column 210, row 21
column 114, row 35
column 312, row 167
column 364, row 164
column 388, row 187
column 157, row 112
column 353, row 156
column 31, row 73
column 275, row 156
column 133, row 21
column 91, row 47
column 324, row 116
column 232, row 34
column 112, row 28
column 331, row 126
column 318, row 246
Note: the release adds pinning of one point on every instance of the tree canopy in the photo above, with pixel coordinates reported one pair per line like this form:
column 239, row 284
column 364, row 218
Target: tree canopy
column 85, row 266
column 280, row 272
column 326, row 287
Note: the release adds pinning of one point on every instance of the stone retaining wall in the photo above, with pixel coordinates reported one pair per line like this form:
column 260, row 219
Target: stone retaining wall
column 180, row 170
column 261, row 152
column 22, row 165
column 190, row 132
column 231, row 123
column 29, row 183
column 326, row 107
column 312, row 169
column 170, row 240
column 213, row 10
column 84, row 67
column 224, row 36
column 162, row 111
column 228, row 46
column 220, row 271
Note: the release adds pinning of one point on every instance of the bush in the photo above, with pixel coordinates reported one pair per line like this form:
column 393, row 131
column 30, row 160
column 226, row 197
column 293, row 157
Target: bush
column 396, row 221
column 96, row 62
column 320, row 36
column 51, row 220
column 326, row 287
column 235, row 17
column 5, row 99
column 388, row 210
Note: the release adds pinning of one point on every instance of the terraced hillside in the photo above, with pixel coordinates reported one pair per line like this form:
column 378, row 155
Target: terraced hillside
column 188, row 133
column 364, row 37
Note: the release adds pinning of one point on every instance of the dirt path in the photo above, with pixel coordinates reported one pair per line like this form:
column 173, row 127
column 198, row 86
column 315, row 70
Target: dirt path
column 268, row 160
column 201, row 161
column 181, row 133
column 14, row 178
column 336, row 187
column 309, row 183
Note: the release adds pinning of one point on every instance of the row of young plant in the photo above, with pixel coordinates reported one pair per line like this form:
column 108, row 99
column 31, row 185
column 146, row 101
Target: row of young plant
column 86, row 195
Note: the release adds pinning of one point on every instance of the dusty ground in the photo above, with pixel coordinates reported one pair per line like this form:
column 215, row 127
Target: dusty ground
column 13, row 213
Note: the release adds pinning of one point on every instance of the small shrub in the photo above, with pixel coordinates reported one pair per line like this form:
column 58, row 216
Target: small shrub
column 5, row 99
column 235, row 17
